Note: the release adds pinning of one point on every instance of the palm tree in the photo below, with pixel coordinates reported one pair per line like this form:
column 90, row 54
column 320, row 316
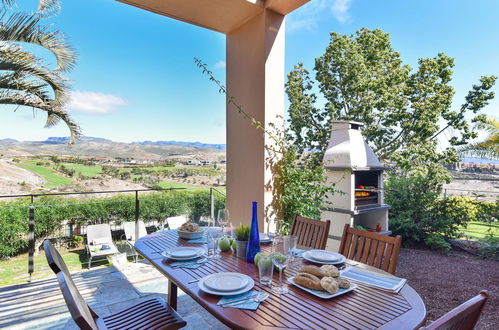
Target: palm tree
column 488, row 148
column 25, row 80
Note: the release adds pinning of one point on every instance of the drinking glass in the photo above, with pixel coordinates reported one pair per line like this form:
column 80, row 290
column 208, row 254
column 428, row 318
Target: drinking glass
column 265, row 269
column 280, row 258
column 290, row 243
column 212, row 236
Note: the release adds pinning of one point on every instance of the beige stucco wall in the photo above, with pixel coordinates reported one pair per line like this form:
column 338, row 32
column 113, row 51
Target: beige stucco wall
column 255, row 78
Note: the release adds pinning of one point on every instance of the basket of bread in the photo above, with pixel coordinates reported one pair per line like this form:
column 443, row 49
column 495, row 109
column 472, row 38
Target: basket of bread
column 324, row 282
column 190, row 230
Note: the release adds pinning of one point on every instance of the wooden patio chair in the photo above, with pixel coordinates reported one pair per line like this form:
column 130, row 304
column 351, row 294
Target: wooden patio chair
column 311, row 233
column 380, row 251
column 463, row 317
column 54, row 258
column 150, row 314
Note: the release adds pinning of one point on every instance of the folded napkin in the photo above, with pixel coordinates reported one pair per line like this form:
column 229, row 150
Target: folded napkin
column 201, row 240
column 191, row 264
column 388, row 283
column 298, row 252
column 249, row 305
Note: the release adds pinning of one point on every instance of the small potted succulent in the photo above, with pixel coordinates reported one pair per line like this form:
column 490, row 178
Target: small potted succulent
column 242, row 237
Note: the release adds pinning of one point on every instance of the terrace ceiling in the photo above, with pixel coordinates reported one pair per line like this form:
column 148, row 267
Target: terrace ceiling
column 219, row 15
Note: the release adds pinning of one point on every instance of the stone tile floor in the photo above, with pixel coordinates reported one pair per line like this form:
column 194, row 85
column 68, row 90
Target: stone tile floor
column 40, row 305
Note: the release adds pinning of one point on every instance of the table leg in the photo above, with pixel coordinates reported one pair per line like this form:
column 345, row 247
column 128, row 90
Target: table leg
column 172, row 295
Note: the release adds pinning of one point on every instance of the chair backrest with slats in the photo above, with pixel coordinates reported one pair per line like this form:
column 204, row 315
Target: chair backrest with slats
column 54, row 258
column 311, row 233
column 463, row 317
column 380, row 251
column 80, row 311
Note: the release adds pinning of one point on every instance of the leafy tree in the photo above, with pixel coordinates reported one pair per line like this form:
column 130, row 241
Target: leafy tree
column 361, row 77
column 25, row 79
column 488, row 147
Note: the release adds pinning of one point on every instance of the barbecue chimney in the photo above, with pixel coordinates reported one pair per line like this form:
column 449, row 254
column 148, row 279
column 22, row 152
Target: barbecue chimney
column 358, row 173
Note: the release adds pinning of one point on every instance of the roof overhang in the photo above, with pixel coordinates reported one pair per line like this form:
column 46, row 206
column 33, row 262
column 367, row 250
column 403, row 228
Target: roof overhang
column 220, row 15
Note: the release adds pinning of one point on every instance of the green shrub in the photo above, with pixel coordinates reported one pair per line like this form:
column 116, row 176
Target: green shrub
column 488, row 211
column 460, row 208
column 437, row 242
column 407, row 228
column 492, row 250
column 52, row 212
column 421, row 216
column 75, row 241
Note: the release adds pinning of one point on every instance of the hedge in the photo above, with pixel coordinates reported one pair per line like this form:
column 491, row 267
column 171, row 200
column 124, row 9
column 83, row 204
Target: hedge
column 51, row 212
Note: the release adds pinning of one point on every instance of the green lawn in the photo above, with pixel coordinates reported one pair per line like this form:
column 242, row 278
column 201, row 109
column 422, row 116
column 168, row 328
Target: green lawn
column 86, row 170
column 53, row 179
column 15, row 270
column 480, row 229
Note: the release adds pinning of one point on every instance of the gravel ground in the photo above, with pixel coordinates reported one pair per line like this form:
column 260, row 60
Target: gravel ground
column 446, row 281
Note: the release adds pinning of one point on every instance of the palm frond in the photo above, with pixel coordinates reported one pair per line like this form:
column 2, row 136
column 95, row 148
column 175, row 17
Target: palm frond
column 21, row 27
column 8, row 3
column 488, row 148
column 54, row 114
column 48, row 8
column 14, row 60
column 21, row 83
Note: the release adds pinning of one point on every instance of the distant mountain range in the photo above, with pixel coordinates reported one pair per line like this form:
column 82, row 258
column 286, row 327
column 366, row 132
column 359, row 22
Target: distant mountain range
column 86, row 139
column 186, row 144
column 89, row 146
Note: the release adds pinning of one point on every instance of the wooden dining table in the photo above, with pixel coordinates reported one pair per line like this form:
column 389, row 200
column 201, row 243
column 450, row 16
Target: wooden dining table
column 363, row 308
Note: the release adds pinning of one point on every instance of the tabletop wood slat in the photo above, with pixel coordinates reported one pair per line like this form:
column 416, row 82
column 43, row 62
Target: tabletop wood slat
column 363, row 308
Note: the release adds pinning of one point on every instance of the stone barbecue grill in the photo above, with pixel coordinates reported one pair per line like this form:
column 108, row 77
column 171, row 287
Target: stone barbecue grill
column 358, row 173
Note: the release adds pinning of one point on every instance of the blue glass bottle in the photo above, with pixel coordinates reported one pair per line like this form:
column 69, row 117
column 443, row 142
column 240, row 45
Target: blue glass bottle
column 254, row 237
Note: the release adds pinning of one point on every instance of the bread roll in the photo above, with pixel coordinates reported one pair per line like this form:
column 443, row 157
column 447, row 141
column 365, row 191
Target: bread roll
column 329, row 284
column 314, row 270
column 343, row 282
column 309, row 281
column 330, row 271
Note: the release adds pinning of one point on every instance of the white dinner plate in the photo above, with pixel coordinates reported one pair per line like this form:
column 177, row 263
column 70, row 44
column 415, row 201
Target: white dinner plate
column 324, row 255
column 226, row 281
column 202, row 286
column 323, row 293
column 183, row 253
column 307, row 257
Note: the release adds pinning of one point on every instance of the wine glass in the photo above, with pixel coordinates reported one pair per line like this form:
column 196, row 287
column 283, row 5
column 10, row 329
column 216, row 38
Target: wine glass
column 280, row 258
column 223, row 218
column 290, row 243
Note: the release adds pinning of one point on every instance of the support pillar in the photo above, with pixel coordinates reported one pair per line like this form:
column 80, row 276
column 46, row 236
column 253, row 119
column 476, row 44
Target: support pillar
column 255, row 78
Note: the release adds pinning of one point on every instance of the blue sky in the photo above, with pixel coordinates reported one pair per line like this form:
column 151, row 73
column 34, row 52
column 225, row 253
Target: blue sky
column 136, row 79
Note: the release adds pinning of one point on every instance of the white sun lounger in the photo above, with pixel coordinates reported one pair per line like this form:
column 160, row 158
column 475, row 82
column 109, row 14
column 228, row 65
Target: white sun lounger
column 100, row 242
column 129, row 228
column 176, row 222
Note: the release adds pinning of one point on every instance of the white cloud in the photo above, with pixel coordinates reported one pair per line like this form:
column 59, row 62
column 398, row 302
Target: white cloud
column 340, row 10
column 220, row 65
column 91, row 102
column 307, row 17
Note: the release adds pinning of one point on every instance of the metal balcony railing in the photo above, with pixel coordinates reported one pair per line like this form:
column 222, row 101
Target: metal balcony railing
column 133, row 209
